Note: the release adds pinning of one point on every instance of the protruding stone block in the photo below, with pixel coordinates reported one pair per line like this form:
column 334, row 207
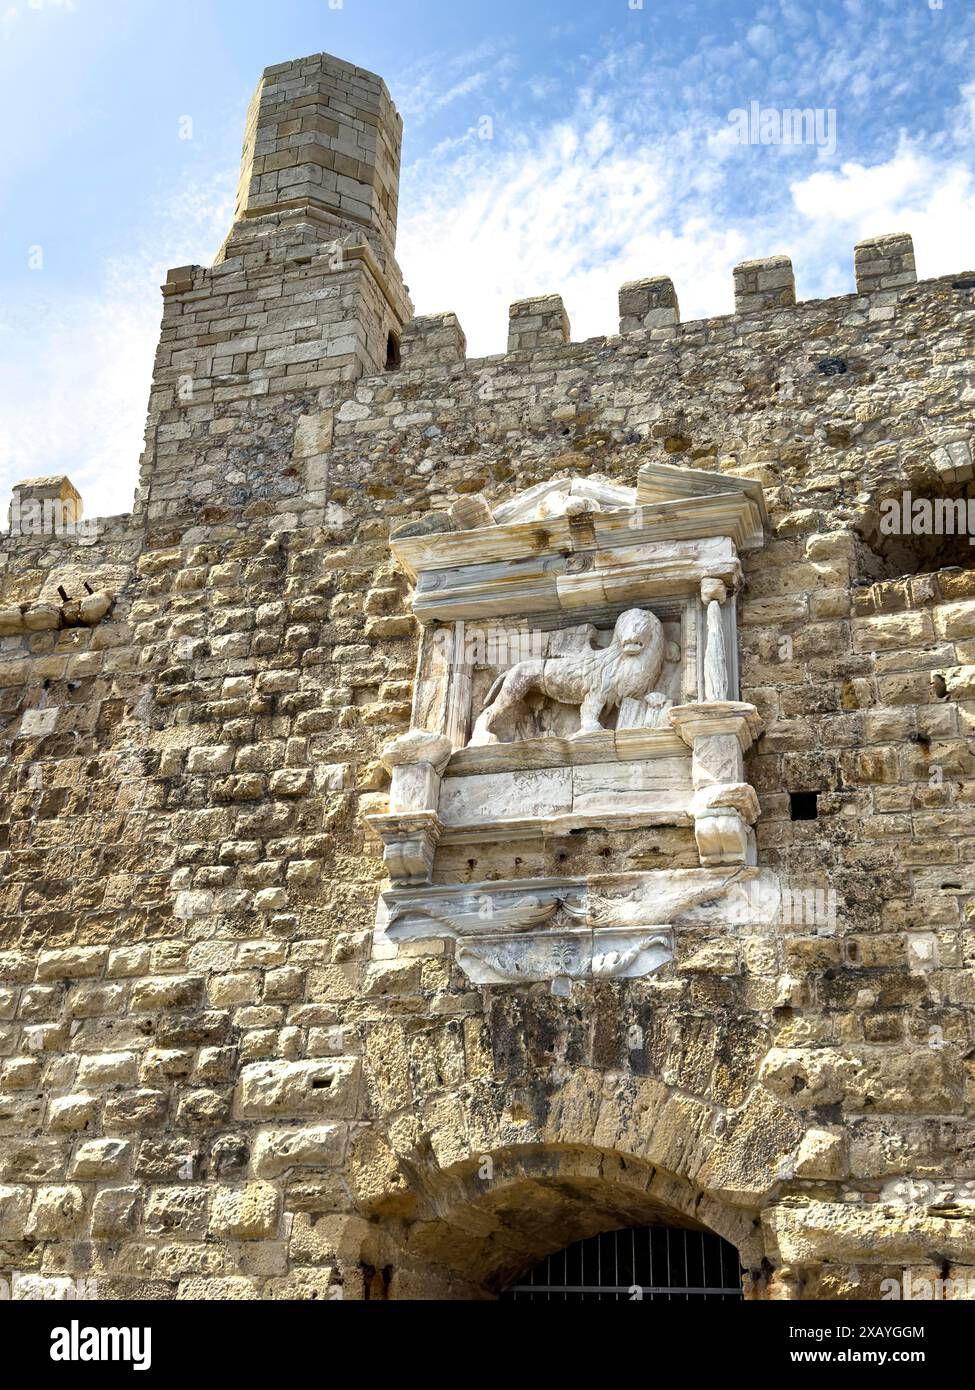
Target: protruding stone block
column 471, row 511
column 246, row 1213
column 648, row 304
column 764, row 284
column 179, row 280
column 538, row 322
column 884, row 263
column 44, row 506
column 433, row 340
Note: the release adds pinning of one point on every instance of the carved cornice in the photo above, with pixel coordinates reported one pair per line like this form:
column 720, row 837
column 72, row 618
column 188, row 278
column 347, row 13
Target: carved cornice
column 612, row 926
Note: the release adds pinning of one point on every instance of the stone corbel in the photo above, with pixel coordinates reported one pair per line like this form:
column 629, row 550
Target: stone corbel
column 411, row 829
column 40, row 616
column 724, row 805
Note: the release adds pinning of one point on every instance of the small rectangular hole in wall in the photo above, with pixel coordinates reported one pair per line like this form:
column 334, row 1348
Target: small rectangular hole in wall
column 802, row 805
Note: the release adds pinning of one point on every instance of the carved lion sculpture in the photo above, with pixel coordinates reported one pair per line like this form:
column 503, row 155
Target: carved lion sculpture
column 594, row 680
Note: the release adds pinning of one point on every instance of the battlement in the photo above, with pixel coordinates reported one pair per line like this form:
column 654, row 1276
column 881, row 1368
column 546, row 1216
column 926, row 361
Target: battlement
column 649, row 310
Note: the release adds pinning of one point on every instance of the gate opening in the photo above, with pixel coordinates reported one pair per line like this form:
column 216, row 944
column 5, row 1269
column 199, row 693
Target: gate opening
column 667, row 1263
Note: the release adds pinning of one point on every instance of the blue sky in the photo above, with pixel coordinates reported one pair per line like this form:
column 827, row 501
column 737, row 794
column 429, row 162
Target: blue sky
column 549, row 146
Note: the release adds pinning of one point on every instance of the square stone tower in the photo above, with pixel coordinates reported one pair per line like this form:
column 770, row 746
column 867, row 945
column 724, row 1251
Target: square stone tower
column 322, row 139
column 304, row 297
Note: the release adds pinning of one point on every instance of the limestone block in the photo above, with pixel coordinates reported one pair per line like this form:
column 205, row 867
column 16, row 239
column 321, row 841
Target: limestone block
column 42, row 617
column 270, row 899
column 808, row 1232
column 108, row 1069
column 57, row 1212
column 276, row 1151
column 283, row 1088
column 153, row 993
column 37, row 723
column 115, row 1212
column 15, row 1205
column 181, row 1209
column 12, row 621
column 246, row 1213
column 919, row 1080
column 291, row 781
column 135, row 1110
column 217, row 758
column 313, row 434
column 72, row 1114
column 822, row 1154
column 100, row 1158
column 227, row 1289
column 76, row 962
column 954, row 461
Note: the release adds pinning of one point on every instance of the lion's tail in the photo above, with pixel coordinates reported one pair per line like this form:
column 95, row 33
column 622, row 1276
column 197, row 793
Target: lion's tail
column 489, row 697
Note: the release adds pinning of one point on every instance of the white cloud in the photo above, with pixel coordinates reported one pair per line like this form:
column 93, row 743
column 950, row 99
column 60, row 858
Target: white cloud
column 911, row 192
column 75, row 386
column 424, row 91
column 578, row 210
column 762, row 39
column 598, row 199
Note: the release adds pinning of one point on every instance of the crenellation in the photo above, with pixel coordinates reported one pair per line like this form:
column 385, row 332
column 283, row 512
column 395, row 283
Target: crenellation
column 538, row 322
column 884, row 263
column 763, row 285
column 649, row 305
column 434, row 339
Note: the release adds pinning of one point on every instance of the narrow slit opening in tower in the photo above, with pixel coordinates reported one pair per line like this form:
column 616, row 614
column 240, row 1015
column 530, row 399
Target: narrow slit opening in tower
column 392, row 353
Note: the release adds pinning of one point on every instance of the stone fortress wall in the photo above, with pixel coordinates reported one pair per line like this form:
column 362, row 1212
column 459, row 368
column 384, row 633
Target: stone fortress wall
column 210, row 1084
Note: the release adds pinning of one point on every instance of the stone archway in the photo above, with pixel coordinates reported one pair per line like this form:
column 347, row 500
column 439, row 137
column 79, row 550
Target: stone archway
column 472, row 1228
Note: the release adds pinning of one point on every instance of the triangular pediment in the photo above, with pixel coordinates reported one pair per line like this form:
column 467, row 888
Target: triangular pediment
column 562, row 497
column 542, row 525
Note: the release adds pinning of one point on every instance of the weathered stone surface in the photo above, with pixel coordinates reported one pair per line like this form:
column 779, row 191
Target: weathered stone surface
column 809, row 1232
column 219, row 1078
column 886, row 1080
column 284, row 1089
column 277, row 1151
column 247, row 1213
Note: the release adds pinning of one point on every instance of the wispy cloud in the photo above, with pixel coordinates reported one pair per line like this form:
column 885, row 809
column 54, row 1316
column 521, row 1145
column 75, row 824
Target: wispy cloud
column 428, row 88
column 73, row 394
column 642, row 175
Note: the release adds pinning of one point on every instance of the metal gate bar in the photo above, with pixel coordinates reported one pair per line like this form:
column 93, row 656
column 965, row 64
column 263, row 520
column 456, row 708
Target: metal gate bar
column 650, row 1262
